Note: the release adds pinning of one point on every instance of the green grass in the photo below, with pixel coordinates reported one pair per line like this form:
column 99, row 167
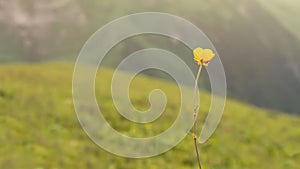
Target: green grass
column 39, row 128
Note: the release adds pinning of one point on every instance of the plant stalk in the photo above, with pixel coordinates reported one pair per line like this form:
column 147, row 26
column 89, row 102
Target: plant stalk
column 195, row 116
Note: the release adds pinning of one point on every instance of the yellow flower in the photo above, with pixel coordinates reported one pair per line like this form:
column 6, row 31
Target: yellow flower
column 203, row 56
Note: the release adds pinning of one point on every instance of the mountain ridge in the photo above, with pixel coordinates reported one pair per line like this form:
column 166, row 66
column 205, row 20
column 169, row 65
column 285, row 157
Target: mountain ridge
column 259, row 53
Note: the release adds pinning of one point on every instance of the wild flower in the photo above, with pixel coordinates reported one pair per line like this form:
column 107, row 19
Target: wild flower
column 202, row 57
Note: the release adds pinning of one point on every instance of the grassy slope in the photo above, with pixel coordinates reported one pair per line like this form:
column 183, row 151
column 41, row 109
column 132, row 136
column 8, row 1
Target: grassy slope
column 242, row 31
column 39, row 128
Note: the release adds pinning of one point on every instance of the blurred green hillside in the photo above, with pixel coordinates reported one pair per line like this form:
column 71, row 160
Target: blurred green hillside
column 286, row 11
column 39, row 128
column 258, row 41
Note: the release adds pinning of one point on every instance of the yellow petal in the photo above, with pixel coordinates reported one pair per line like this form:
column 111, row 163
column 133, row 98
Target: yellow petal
column 208, row 55
column 203, row 56
column 197, row 55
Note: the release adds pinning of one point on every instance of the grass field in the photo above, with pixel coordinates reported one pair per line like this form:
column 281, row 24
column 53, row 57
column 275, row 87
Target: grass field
column 39, row 128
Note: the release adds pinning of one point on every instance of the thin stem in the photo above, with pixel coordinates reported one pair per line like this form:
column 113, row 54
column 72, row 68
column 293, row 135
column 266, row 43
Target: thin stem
column 195, row 87
column 195, row 116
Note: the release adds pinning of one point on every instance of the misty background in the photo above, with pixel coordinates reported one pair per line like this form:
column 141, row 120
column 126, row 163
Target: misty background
column 258, row 41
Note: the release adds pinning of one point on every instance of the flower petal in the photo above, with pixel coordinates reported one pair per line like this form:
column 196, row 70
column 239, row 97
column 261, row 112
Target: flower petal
column 198, row 52
column 203, row 56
